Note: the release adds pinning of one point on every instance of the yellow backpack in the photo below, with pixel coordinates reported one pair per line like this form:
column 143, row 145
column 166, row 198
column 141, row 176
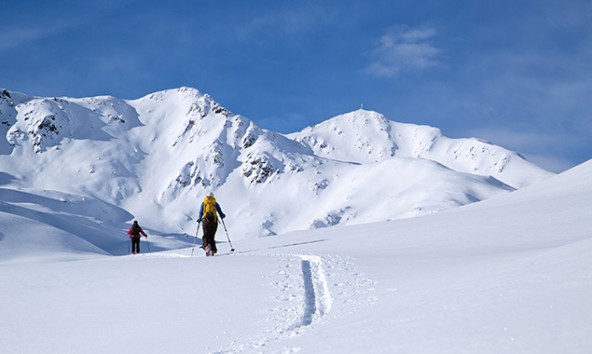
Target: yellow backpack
column 209, row 210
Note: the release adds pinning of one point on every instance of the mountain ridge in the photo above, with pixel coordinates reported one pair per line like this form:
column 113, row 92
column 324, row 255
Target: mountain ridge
column 156, row 156
column 410, row 140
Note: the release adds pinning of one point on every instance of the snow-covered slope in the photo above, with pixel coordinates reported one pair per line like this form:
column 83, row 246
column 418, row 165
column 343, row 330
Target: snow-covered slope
column 511, row 274
column 156, row 157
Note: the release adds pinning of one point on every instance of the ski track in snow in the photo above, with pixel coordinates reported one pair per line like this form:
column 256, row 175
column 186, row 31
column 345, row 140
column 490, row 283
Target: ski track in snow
column 311, row 299
column 309, row 295
column 310, row 289
column 317, row 297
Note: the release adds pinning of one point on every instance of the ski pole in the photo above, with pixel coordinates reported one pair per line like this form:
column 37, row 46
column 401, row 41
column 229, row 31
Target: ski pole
column 228, row 237
column 195, row 239
column 148, row 244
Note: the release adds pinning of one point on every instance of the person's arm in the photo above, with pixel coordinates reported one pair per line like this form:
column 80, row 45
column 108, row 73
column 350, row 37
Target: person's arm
column 142, row 232
column 220, row 211
column 200, row 212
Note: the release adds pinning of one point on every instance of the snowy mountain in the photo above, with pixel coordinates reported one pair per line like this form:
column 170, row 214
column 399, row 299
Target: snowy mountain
column 368, row 137
column 154, row 158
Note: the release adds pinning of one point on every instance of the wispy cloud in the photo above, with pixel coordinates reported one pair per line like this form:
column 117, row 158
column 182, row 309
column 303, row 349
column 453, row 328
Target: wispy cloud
column 289, row 21
column 17, row 35
column 24, row 25
column 403, row 49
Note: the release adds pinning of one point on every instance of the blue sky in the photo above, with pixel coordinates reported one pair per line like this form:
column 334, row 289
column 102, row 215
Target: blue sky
column 516, row 73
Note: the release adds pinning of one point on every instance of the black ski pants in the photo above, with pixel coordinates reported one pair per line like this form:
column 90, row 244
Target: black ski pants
column 135, row 244
column 209, row 231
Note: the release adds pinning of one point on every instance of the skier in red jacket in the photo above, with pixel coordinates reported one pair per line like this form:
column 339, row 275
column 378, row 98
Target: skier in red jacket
column 135, row 233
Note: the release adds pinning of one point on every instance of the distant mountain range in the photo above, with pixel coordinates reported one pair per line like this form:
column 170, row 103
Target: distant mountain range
column 157, row 156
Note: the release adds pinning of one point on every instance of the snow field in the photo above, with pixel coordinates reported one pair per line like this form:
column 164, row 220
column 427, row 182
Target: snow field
column 129, row 304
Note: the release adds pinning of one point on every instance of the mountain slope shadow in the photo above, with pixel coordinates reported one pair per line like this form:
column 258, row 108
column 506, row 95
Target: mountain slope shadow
column 71, row 214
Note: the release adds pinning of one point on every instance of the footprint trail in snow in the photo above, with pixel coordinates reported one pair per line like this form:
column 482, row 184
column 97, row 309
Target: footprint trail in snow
column 311, row 289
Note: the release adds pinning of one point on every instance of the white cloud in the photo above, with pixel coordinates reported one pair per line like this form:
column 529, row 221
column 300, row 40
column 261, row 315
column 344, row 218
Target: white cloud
column 15, row 36
column 403, row 49
column 290, row 21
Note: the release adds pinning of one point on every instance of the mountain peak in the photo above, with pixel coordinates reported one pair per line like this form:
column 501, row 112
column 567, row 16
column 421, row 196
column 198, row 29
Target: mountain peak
column 359, row 117
column 180, row 92
column 365, row 136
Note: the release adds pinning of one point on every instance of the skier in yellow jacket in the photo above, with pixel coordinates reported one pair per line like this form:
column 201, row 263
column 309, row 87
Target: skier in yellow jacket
column 208, row 213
